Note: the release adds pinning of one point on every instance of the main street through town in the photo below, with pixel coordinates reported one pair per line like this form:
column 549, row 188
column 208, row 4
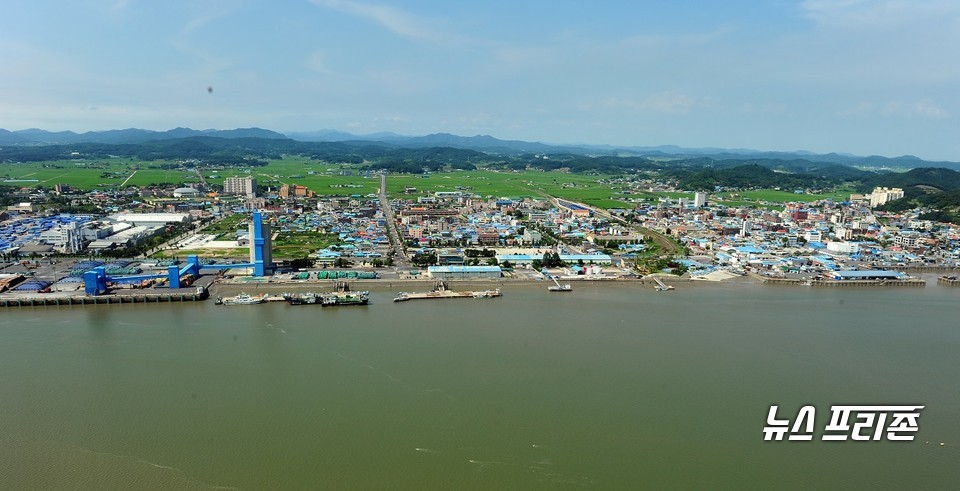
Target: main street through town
column 400, row 255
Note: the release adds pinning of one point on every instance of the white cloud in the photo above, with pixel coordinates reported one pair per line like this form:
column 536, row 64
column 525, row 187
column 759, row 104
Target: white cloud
column 316, row 62
column 879, row 13
column 924, row 108
column 399, row 22
column 669, row 102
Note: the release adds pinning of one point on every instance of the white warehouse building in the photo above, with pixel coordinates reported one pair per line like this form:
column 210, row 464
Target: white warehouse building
column 463, row 272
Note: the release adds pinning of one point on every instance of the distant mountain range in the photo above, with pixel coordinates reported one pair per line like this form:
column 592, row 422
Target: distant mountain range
column 481, row 143
column 489, row 144
column 35, row 136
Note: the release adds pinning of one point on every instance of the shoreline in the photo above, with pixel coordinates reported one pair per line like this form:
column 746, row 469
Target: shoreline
column 217, row 287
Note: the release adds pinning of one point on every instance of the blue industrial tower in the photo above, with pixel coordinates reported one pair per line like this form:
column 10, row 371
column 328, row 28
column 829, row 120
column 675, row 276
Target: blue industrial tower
column 260, row 246
column 261, row 260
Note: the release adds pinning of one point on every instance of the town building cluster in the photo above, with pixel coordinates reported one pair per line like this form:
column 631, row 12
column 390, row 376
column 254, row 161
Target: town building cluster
column 805, row 238
column 786, row 239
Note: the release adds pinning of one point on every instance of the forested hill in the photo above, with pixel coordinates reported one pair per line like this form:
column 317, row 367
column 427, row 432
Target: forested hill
column 508, row 149
column 933, row 178
column 748, row 176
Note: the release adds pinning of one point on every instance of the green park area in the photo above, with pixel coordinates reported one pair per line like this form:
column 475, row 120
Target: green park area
column 291, row 245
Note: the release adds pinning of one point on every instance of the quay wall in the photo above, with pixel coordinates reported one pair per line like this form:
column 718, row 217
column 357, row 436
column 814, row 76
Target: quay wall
column 103, row 299
column 870, row 283
column 795, row 281
column 925, row 269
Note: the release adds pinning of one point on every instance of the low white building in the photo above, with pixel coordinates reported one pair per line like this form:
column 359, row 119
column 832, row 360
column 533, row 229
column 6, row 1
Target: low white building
column 152, row 219
column 843, row 247
column 463, row 272
column 813, row 236
column 23, row 208
column 185, row 193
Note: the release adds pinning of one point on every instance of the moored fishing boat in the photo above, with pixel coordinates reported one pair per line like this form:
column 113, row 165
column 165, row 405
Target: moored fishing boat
column 345, row 299
column 306, row 298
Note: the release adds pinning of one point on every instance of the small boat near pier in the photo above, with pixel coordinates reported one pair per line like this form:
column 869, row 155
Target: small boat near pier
column 242, row 299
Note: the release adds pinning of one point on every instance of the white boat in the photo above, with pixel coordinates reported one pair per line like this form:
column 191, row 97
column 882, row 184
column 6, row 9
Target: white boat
column 487, row 293
column 242, row 299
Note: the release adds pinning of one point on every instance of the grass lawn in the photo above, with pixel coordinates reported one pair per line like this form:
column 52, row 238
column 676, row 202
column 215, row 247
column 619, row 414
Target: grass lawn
column 292, row 245
column 226, row 229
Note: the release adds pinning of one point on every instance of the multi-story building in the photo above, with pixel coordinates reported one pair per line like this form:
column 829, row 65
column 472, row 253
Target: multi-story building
column 882, row 195
column 813, row 236
column 700, row 200
column 907, row 240
column 244, row 186
column 297, row 191
column 65, row 238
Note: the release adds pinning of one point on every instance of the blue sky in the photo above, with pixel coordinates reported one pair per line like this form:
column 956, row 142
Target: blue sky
column 857, row 76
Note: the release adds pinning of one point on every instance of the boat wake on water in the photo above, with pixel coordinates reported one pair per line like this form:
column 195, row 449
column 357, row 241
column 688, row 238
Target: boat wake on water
column 133, row 459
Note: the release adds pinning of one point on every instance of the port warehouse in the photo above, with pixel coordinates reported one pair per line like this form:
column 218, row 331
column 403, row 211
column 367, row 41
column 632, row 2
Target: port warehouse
column 574, row 209
column 464, row 272
column 523, row 259
column 65, row 233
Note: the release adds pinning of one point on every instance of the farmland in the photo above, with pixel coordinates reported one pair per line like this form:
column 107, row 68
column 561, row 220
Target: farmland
column 326, row 179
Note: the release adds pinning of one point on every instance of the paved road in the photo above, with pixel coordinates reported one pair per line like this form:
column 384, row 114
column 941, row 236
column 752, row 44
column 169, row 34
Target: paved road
column 400, row 255
column 667, row 245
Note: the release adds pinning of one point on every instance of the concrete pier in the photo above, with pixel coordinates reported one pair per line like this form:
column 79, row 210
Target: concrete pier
column 949, row 280
column 46, row 301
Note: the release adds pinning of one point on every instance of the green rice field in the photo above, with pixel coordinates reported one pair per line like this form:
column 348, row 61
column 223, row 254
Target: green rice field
column 345, row 180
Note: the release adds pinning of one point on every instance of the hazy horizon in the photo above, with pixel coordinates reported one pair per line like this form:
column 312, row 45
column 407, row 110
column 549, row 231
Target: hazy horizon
column 863, row 77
